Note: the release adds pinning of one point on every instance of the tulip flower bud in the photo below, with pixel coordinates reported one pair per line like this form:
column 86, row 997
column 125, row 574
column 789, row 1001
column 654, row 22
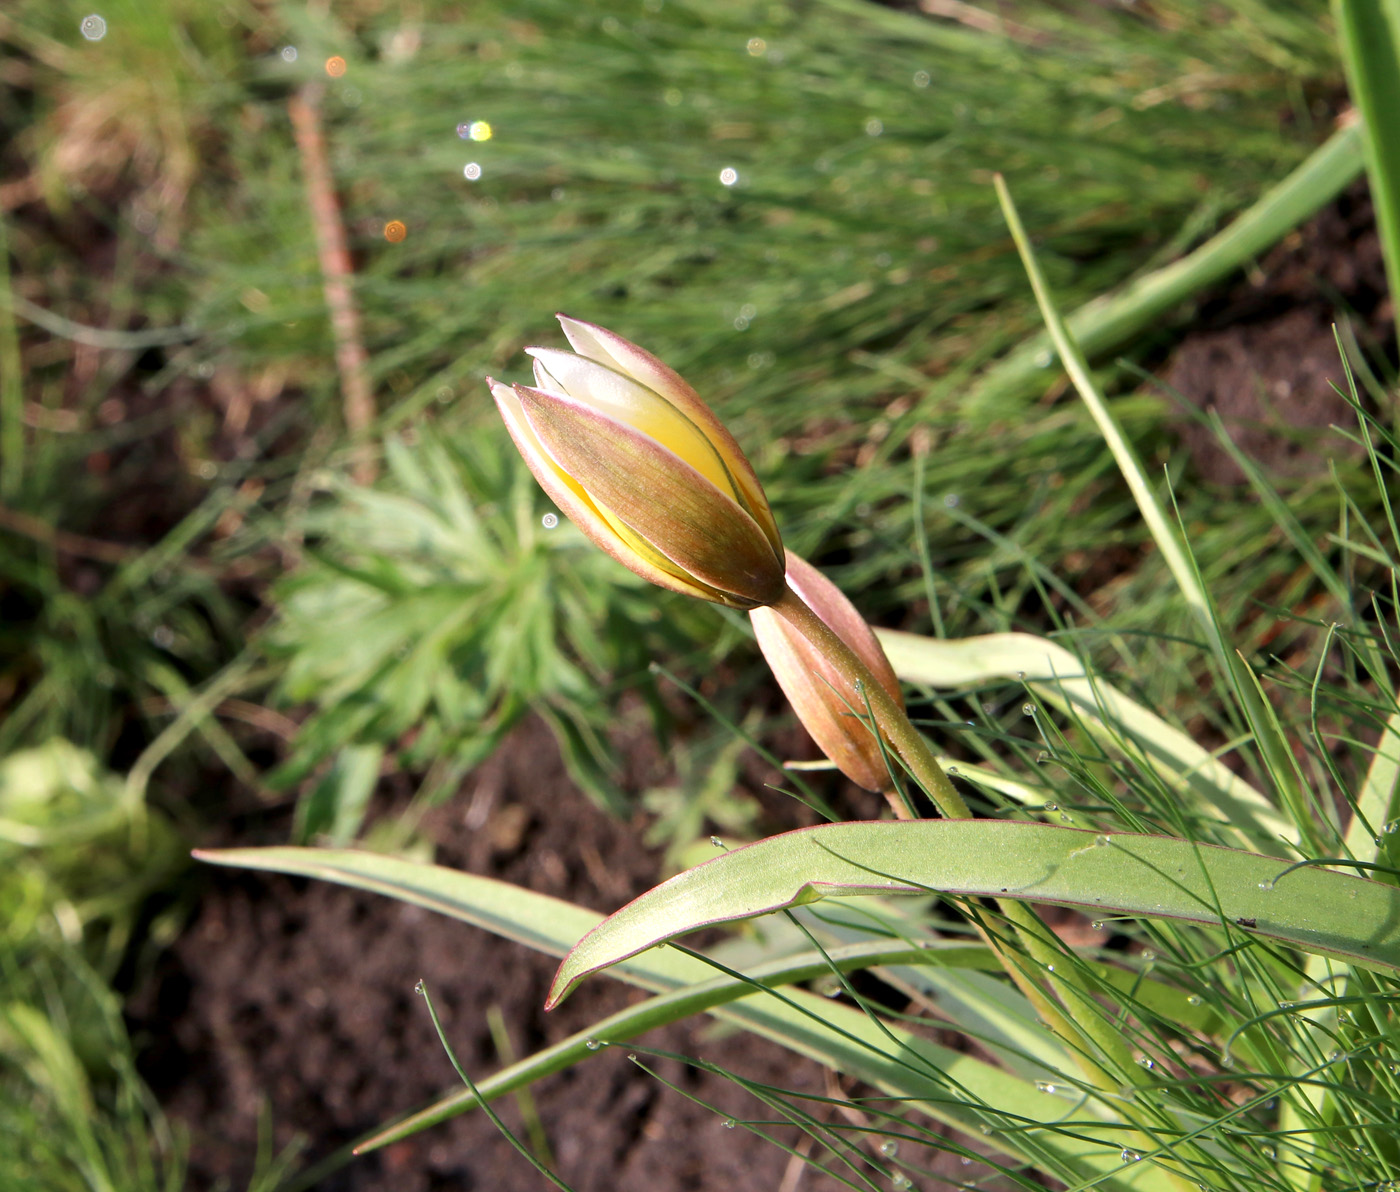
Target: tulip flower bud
column 828, row 706
column 644, row 468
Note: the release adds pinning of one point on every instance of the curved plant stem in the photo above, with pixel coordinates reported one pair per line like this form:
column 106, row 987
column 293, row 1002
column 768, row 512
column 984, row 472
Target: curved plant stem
column 1085, row 1034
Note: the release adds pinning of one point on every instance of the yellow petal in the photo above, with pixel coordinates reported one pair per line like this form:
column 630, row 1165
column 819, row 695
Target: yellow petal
column 628, row 401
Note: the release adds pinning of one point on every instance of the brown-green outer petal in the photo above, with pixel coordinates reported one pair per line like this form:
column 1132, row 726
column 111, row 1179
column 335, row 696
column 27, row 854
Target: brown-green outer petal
column 607, row 347
column 660, row 496
column 575, row 504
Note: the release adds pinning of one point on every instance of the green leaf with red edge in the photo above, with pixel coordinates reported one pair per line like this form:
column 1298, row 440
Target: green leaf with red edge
column 1310, row 908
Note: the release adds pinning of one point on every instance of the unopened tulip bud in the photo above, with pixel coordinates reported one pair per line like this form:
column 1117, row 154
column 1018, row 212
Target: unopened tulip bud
column 830, row 708
column 642, row 466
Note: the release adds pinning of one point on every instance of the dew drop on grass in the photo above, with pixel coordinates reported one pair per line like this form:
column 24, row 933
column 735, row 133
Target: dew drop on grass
column 1097, row 924
column 1027, row 709
column 592, row 1044
column 1064, row 819
column 1051, row 807
column 1193, row 999
column 716, row 842
column 1148, row 955
column 953, row 771
column 730, row 1123
column 1267, row 884
column 1148, row 1062
column 1102, row 841
column 889, row 1148
column 1129, row 1156
column 1045, row 1086
column 418, row 989
column 1041, row 758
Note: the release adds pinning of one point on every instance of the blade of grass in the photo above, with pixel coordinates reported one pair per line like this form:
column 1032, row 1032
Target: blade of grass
column 1369, row 33
column 1244, row 684
column 11, row 391
column 1055, row 674
column 952, row 1087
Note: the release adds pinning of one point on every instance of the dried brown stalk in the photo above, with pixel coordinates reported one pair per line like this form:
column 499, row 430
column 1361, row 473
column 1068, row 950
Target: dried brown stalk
column 336, row 274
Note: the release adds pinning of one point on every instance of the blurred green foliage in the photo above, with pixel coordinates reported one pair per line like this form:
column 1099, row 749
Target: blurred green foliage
column 435, row 609
column 79, row 856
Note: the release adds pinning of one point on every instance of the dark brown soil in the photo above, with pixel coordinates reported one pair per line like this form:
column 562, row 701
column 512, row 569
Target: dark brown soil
column 296, row 1000
column 1264, row 352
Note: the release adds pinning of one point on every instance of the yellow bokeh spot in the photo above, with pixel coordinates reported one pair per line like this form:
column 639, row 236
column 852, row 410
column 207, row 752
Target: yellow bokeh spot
column 479, row 130
column 394, row 231
column 335, row 67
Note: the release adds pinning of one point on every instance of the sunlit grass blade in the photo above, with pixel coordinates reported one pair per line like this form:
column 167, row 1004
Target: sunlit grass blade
column 1243, row 682
column 1058, row 676
column 1369, row 32
column 669, row 1007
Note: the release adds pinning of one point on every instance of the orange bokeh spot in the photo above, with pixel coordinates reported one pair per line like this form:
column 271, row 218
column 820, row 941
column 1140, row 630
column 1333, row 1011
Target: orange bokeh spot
column 394, row 231
column 335, row 67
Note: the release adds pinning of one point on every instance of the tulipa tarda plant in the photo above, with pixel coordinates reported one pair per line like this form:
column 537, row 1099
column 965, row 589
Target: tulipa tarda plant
column 1238, row 1034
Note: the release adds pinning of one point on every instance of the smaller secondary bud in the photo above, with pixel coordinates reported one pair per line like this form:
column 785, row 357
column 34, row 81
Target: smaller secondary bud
column 831, row 709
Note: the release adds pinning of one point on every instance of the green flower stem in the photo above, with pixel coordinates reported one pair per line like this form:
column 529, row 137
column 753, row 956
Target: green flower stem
column 1085, row 1036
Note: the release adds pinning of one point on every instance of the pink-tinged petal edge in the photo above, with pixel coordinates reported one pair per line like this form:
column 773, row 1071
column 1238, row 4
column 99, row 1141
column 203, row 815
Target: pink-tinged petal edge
column 814, row 690
column 841, row 617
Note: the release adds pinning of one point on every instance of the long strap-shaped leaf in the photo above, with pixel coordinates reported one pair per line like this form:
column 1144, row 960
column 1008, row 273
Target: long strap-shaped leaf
column 1057, row 675
column 952, row 1087
column 1313, row 909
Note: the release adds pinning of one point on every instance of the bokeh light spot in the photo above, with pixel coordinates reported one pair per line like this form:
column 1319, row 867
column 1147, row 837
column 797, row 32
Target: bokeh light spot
column 479, row 130
column 335, row 66
column 729, row 175
column 93, row 27
column 471, row 171
column 394, row 231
